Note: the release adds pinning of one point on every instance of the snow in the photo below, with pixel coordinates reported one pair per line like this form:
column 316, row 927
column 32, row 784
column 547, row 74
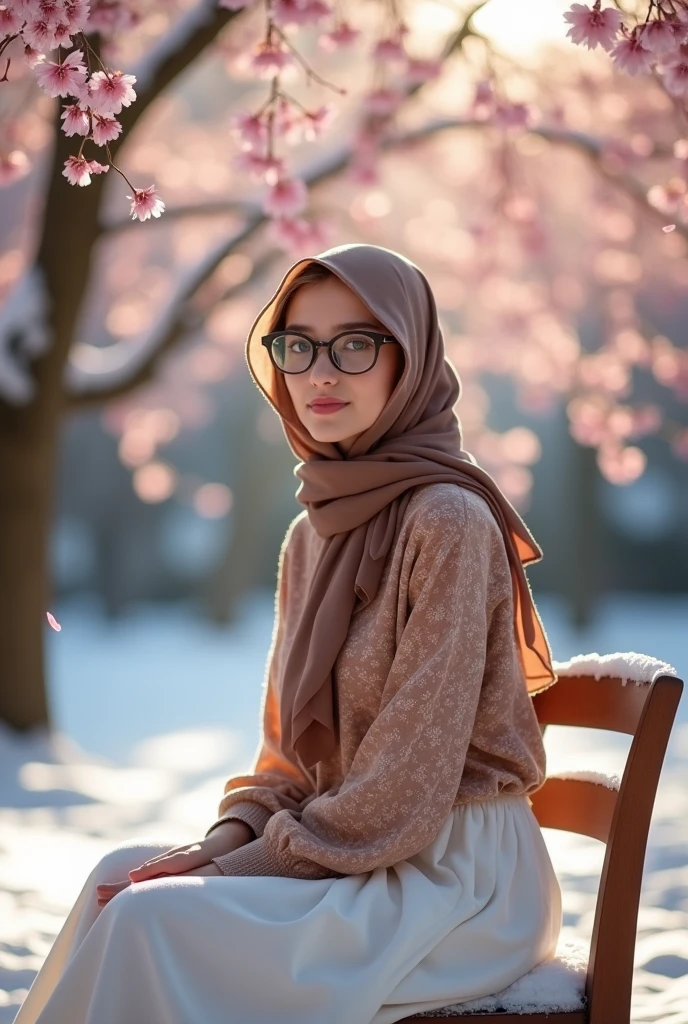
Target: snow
column 555, row 985
column 24, row 334
column 598, row 778
column 641, row 668
column 154, row 711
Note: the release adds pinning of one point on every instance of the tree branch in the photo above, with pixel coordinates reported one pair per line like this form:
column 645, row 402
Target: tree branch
column 173, row 54
column 85, row 375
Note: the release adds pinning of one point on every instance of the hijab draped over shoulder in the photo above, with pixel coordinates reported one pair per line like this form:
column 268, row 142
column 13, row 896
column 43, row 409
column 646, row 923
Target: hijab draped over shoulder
column 355, row 501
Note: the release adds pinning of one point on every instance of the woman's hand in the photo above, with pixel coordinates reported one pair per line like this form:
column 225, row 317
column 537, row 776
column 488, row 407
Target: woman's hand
column 188, row 859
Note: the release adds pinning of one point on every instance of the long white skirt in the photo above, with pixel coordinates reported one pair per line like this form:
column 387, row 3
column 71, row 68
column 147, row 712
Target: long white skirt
column 468, row 915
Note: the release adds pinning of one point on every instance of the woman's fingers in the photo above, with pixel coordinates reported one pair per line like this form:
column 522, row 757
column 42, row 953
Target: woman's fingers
column 109, row 889
column 171, row 863
column 106, row 890
column 173, row 849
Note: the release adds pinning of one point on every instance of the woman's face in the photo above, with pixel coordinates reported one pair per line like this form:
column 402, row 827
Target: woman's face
column 322, row 309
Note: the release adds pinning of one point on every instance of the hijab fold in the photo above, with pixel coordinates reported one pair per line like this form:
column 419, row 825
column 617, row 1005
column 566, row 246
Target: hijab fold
column 356, row 501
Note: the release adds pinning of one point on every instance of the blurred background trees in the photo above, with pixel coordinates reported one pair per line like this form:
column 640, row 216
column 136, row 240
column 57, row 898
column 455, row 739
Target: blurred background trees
column 540, row 188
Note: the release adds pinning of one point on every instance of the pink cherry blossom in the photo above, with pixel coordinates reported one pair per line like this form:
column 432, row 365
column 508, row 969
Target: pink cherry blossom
column 341, row 36
column 675, row 75
column 315, row 122
column 659, row 36
column 591, row 26
column 287, row 122
column 270, row 58
column 286, row 13
column 517, row 116
column 483, row 102
column 13, row 166
column 631, row 56
column 109, row 92
column 667, row 198
column 65, row 79
column 418, row 71
column 33, row 57
column 78, row 170
column 259, row 165
column 145, row 203
column 63, row 35
column 10, row 22
column 76, row 14
column 40, row 35
column 105, row 129
column 300, row 235
column 286, row 197
column 389, row 50
column 49, row 10
column 111, row 16
column 249, row 128
column 76, row 120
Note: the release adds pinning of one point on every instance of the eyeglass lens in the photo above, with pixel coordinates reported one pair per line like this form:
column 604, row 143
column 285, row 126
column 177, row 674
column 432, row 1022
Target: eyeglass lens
column 352, row 352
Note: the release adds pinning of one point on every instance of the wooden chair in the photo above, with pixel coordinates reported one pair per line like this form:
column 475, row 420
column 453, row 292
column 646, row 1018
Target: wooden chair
column 618, row 817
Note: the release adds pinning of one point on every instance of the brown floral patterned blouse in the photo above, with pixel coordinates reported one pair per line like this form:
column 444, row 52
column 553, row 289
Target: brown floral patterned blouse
column 432, row 703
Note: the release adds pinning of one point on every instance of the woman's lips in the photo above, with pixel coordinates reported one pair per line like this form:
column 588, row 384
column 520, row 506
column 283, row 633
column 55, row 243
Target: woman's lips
column 327, row 407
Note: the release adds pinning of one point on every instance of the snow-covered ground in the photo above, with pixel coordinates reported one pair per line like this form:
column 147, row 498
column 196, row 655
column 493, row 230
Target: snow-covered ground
column 153, row 713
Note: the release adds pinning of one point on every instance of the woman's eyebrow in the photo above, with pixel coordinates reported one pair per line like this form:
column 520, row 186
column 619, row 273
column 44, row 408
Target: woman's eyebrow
column 337, row 327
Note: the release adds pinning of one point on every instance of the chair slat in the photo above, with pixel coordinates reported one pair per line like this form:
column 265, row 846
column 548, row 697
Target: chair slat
column 605, row 703
column 575, row 805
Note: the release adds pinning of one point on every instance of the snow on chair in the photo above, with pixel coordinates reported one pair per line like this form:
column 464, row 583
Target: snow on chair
column 580, row 985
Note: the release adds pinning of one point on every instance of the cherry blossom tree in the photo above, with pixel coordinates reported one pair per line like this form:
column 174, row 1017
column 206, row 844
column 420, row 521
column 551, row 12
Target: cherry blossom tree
column 529, row 194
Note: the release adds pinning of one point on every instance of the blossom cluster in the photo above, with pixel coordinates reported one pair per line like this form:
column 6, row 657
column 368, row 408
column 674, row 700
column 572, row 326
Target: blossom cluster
column 95, row 96
column 282, row 117
column 659, row 44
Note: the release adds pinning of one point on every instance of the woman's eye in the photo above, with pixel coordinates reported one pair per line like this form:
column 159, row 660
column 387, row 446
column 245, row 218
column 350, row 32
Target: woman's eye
column 293, row 346
column 358, row 344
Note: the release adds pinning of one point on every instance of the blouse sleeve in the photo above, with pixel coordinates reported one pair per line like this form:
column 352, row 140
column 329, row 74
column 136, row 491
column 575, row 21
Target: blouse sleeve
column 274, row 783
column 405, row 774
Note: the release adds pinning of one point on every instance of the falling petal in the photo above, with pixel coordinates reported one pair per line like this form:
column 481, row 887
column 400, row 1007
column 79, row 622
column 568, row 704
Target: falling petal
column 53, row 622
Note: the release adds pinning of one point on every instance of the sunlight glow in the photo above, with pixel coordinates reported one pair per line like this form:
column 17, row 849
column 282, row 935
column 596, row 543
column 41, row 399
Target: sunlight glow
column 519, row 29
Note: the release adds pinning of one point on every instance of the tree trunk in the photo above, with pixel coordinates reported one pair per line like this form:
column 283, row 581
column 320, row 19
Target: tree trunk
column 26, row 469
column 28, row 438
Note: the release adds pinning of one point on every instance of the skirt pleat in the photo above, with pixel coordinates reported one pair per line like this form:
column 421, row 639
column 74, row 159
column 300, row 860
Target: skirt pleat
column 463, row 918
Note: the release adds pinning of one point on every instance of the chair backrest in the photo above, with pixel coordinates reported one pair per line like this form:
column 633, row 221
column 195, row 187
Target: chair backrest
column 620, row 818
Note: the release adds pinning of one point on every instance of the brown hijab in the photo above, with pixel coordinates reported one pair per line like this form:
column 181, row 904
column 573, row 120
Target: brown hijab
column 356, row 501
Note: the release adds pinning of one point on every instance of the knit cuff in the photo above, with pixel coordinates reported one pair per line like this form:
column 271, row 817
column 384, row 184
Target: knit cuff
column 248, row 811
column 254, row 858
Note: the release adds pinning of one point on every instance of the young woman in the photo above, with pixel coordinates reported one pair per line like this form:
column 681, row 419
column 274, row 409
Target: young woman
column 382, row 857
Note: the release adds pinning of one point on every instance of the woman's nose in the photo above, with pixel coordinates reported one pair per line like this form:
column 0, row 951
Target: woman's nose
column 323, row 371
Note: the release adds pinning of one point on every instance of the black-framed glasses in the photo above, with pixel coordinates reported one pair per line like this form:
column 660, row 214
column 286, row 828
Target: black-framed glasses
column 350, row 351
